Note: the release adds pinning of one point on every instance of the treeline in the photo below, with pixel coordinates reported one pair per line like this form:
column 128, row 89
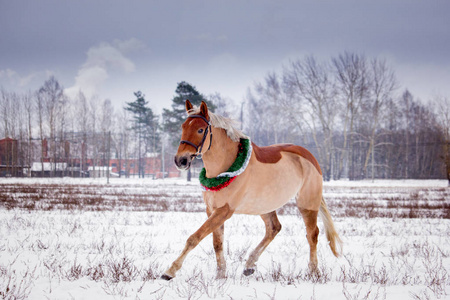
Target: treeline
column 348, row 111
column 50, row 127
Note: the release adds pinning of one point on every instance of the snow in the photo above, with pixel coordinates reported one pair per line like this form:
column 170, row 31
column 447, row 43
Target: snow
column 389, row 183
column 61, row 254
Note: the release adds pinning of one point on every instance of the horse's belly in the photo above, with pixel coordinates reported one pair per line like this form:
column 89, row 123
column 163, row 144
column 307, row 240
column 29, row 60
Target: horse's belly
column 272, row 186
column 262, row 205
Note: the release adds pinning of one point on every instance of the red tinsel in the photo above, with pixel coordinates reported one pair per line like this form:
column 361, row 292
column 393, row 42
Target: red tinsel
column 220, row 186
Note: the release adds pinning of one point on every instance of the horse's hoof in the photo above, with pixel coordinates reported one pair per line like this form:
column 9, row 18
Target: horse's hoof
column 248, row 272
column 166, row 277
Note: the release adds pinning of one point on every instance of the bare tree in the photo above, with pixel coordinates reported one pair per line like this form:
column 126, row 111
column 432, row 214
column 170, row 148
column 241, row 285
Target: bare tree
column 72, row 139
column 407, row 103
column 51, row 97
column 4, row 111
column 255, row 118
column 353, row 85
column 123, row 140
column 224, row 106
column 442, row 105
column 118, row 138
column 266, row 120
column 312, row 101
column 9, row 112
column 94, row 116
column 19, row 116
column 40, row 117
column 106, row 115
column 14, row 115
column 382, row 85
column 62, row 126
column 271, row 90
column 82, row 113
column 28, row 106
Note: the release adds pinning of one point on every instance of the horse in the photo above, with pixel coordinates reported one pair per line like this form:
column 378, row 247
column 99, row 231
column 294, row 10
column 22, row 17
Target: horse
column 241, row 178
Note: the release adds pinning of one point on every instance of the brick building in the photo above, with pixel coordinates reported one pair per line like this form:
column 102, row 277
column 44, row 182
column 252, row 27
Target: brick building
column 9, row 162
column 80, row 164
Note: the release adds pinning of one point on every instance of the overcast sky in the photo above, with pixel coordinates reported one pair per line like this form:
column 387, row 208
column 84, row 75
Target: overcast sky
column 114, row 48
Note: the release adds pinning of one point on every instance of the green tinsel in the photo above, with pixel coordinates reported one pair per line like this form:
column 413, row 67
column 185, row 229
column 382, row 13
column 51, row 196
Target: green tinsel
column 240, row 159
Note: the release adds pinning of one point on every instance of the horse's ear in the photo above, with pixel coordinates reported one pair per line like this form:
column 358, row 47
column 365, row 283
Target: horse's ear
column 189, row 105
column 204, row 110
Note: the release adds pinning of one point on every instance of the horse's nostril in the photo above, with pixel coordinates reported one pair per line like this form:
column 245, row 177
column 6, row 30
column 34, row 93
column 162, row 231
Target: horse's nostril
column 183, row 161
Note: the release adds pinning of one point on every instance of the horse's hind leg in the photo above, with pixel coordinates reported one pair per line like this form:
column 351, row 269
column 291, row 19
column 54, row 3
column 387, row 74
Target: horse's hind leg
column 312, row 233
column 273, row 226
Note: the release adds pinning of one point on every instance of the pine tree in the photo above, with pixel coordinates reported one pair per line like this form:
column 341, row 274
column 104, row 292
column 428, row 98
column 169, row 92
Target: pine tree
column 172, row 119
column 145, row 126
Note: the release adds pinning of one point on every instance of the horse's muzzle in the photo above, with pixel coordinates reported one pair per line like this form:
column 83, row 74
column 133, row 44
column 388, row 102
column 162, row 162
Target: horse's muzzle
column 182, row 162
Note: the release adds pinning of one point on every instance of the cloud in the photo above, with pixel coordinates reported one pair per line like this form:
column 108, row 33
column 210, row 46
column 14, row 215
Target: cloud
column 8, row 73
column 103, row 60
column 107, row 56
column 13, row 79
column 128, row 46
column 88, row 80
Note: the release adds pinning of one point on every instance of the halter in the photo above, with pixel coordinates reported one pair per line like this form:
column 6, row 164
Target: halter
column 199, row 148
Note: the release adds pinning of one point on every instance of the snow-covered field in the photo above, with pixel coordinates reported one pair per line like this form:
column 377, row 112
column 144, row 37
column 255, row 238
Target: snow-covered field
column 84, row 239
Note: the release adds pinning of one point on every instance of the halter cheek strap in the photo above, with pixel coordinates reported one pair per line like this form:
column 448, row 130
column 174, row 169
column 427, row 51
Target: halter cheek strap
column 199, row 147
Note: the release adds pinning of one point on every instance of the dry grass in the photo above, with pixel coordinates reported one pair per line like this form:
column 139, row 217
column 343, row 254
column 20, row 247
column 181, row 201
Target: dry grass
column 361, row 202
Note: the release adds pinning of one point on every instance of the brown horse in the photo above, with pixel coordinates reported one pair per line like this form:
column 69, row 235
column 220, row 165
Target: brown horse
column 240, row 177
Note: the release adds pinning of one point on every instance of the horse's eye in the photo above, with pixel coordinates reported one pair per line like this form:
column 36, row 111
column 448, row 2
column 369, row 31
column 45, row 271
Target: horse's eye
column 200, row 130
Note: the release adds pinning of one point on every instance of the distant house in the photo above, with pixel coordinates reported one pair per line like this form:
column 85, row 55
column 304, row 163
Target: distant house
column 9, row 162
column 46, row 169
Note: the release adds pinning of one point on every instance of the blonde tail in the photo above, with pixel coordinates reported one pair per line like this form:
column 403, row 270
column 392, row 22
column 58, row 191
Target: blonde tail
column 333, row 238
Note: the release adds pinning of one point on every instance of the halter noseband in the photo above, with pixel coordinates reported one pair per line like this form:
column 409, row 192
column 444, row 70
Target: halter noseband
column 199, row 148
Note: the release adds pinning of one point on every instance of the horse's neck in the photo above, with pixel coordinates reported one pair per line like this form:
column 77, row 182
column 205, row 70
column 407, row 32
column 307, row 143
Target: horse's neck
column 222, row 154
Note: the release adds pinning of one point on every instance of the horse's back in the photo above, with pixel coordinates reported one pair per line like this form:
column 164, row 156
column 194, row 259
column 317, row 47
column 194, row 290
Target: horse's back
column 272, row 154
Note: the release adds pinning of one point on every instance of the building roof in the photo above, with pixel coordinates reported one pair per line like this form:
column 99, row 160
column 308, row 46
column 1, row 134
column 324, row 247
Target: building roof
column 37, row 166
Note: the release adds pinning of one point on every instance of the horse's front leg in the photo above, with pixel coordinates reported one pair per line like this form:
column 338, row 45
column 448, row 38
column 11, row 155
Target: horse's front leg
column 215, row 220
column 218, row 249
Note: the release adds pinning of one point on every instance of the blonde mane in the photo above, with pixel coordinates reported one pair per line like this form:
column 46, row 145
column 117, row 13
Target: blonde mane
column 227, row 124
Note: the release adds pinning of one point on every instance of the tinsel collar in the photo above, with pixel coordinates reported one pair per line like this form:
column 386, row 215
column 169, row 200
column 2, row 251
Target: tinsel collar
column 238, row 167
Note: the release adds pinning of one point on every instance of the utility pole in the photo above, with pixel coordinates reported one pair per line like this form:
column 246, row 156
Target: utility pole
column 109, row 157
column 163, row 140
column 162, row 157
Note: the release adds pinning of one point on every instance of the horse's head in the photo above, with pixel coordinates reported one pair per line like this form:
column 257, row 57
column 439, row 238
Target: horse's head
column 194, row 136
